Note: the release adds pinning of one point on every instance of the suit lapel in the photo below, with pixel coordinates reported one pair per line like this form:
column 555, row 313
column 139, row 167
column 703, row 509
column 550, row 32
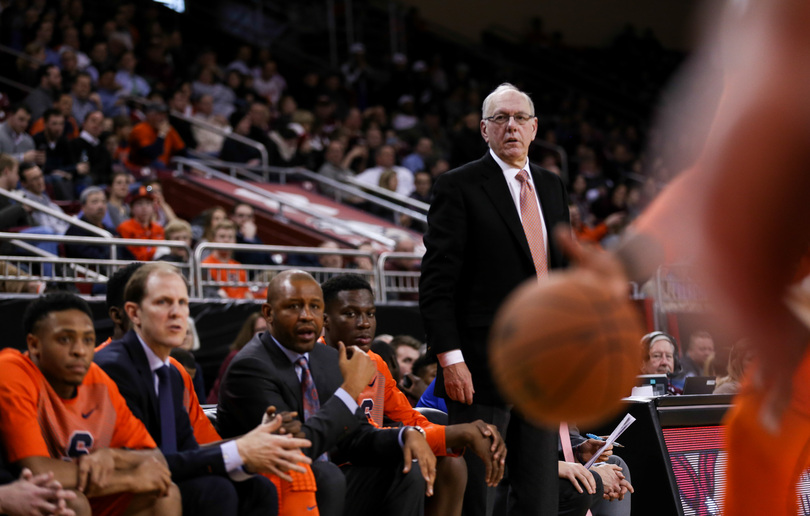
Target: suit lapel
column 144, row 372
column 548, row 200
column 498, row 191
column 285, row 370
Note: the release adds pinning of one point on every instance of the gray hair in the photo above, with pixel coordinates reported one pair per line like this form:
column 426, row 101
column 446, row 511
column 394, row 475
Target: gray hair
column 486, row 108
column 90, row 190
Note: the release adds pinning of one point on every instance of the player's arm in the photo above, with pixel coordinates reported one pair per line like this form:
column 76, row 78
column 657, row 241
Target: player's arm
column 95, row 474
column 485, row 441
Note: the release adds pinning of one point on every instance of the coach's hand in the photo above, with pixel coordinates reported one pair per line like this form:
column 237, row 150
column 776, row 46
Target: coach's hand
column 458, row 383
column 356, row 367
column 577, row 475
column 416, row 449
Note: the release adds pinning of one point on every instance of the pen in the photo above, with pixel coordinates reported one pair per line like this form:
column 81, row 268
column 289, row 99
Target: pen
column 592, row 436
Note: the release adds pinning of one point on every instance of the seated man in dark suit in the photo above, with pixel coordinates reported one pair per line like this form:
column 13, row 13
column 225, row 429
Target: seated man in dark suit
column 156, row 303
column 284, row 367
column 94, row 208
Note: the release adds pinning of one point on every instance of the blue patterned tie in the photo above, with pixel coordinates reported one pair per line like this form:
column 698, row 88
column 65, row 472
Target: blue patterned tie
column 310, row 395
column 168, row 435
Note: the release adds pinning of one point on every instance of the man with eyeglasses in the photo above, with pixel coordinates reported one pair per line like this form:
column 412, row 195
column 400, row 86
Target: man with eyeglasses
column 489, row 229
column 660, row 357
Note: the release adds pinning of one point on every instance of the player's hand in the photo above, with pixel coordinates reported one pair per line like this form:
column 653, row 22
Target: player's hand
column 591, row 446
column 289, row 424
column 613, row 481
column 357, row 369
column 263, row 451
column 35, row 495
column 488, row 444
column 458, row 383
column 603, row 267
column 416, row 449
column 95, row 469
column 152, row 476
column 416, row 387
column 577, row 475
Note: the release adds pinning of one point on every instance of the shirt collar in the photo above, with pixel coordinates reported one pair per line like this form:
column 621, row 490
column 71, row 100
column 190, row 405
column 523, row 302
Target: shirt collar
column 508, row 170
column 89, row 138
column 155, row 362
column 292, row 355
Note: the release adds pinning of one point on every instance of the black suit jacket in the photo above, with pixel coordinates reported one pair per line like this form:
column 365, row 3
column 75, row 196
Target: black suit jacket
column 261, row 375
column 477, row 253
column 125, row 362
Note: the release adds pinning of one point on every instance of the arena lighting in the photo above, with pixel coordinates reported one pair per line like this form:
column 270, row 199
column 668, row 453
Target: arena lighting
column 174, row 5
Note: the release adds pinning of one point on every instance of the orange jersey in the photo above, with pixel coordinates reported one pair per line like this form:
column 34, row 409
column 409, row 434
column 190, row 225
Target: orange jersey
column 133, row 229
column 36, row 422
column 234, row 275
column 144, row 135
column 382, row 397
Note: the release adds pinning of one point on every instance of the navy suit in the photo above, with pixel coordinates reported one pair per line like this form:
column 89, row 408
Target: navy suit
column 476, row 254
column 198, row 472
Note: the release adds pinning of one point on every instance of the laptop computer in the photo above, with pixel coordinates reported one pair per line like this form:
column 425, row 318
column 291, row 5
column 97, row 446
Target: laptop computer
column 699, row 385
column 657, row 381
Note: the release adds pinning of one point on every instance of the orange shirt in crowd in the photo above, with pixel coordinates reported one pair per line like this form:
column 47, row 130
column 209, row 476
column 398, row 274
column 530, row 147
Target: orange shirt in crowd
column 143, row 135
column 133, row 229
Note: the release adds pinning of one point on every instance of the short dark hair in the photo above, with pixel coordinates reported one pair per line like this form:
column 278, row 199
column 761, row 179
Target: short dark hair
column 135, row 290
column 233, row 211
column 25, row 166
column 118, row 282
column 406, row 340
column 50, row 112
column 42, row 71
column 422, row 362
column 18, row 106
column 185, row 357
column 337, row 284
column 40, row 307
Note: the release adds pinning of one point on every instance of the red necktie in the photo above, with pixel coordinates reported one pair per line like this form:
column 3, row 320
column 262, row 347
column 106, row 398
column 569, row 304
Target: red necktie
column 532, row 225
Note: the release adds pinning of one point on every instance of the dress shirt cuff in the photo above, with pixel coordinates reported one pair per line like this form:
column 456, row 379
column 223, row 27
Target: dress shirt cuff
column 448, row 358
column 347, row 400
column 233, row 462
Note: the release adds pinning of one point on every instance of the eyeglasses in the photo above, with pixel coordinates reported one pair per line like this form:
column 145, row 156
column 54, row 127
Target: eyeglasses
column 659, row 356
column 502, row 118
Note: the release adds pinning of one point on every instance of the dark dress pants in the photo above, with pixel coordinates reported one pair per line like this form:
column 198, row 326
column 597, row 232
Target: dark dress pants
column 384, row 490
column 212, row 495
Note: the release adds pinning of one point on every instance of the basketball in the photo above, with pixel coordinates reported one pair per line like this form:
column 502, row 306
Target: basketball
column 565, row 349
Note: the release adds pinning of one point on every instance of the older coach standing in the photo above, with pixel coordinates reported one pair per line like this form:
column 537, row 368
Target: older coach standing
column 490, row 228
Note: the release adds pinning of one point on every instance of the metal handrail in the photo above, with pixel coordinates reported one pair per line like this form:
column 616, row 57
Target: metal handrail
column 342, row 186
column 206, row 247
column 559, row 150
column 384, row 192
column 282, row 201
column 405, row 276
column 227, row 134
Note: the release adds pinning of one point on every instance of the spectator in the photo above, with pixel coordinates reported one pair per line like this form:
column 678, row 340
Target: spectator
column 154, row 142
column 244, row 216
column 418, row 159
column 63, row 104
column 330, row 261
column 177, row 229
column 658, row 355
column 254, row 324
column 84, row 100
column 60, row 163
column 364, row 263
column 423, row 184
column 163, row 211
column 740, row 359
column 222, row 97
column 14, row 139
column 191, row 344
column 225, row 233
column 99, row 60
column 208, row 141
column 117, row 206
column 90, row 151
column 131, row 84
column 385, row 160
column 237, row 152
column 210, row 220
column 45, row 94
column 111, row 94
column 11, row 214
column 269, row 83
column 179, row 102
column 699, row 355
column 336, row 164
column 20, row 285
column 28, row 66
column 408, row 350
column 32, row 181
column 94, row 208
column 142, row 225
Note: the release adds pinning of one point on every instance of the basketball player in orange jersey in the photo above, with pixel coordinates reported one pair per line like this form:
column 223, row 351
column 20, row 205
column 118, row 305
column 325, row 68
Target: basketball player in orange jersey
column 740, row 213
column 296, row 490
column 59, row 412
column 349, row 317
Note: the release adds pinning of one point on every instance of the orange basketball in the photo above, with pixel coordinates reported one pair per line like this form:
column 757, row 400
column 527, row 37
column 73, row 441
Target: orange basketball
column 565, row 349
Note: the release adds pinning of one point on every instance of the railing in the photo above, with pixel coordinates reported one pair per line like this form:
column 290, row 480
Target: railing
column 399, row 278
column 286, row 202
column 346, row 188
column 258, row 276
column 70, row 270
column 226, row 134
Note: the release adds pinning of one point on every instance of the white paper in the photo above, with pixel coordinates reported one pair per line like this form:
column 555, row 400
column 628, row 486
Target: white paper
column 619, row 430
